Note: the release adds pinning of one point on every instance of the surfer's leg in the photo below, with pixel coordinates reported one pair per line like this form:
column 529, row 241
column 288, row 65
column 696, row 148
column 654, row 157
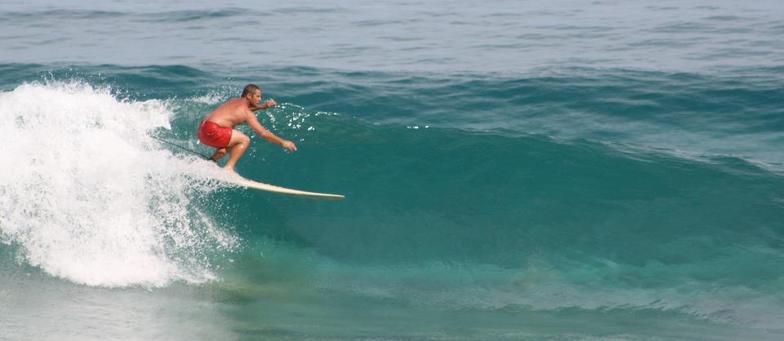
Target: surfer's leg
column 237, row 146
column 219, row 153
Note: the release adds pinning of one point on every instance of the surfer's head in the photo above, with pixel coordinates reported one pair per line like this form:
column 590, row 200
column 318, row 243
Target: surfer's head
column 253, row 93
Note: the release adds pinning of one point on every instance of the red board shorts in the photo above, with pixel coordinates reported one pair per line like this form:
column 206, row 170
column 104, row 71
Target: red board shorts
column 212, row 134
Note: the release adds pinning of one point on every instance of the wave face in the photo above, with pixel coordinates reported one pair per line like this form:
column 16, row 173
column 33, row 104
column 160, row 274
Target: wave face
column 593, row 195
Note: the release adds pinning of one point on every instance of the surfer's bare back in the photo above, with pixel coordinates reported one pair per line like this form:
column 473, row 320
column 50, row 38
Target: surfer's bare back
column 217, row 129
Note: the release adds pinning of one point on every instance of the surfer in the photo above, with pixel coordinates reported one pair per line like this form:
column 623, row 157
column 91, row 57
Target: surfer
column 217, row 129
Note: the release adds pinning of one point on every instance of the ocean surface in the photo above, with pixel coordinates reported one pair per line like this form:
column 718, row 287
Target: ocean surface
column 513, row 170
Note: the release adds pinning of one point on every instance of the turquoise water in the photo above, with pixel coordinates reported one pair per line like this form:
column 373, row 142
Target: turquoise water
column 512, row 171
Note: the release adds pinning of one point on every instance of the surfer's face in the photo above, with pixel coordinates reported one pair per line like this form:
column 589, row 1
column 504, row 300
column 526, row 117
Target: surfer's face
column 255, row 97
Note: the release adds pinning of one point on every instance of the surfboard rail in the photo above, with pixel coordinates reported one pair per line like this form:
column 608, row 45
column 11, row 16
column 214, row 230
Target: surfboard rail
column 244, row 182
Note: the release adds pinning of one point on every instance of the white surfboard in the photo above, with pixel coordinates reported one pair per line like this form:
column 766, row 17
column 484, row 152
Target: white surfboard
column 239, row 180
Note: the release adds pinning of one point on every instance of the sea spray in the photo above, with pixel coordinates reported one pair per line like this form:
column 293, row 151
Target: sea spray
column 88, row 196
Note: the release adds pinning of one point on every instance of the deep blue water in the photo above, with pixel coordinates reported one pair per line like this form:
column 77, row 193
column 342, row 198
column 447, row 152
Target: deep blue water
column 513, row 170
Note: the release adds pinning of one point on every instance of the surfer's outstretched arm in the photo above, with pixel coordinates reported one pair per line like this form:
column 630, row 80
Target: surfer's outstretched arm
column 253, row 122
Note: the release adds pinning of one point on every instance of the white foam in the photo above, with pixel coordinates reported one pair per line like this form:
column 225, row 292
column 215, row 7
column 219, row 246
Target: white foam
column 90, row 197
column 210, row 98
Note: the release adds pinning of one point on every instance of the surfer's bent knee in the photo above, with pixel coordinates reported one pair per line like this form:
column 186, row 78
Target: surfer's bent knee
column 244, row 139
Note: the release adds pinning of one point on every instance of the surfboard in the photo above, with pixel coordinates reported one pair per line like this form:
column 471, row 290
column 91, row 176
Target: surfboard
column 237, row 179
column 241, row 181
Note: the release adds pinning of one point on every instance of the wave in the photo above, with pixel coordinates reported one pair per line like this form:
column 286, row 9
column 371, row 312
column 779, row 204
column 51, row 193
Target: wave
column 477, row 219
column 87, row 196
column 446, row 194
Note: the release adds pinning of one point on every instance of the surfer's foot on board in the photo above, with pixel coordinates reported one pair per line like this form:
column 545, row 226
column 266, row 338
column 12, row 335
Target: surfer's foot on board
column 231, row 171
column 219, row 153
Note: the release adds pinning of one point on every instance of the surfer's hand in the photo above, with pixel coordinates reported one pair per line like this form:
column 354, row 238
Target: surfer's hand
column 270, row 103
column 290, row 146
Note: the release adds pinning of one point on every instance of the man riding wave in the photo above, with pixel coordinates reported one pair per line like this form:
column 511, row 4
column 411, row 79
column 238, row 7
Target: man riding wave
column 217, row 129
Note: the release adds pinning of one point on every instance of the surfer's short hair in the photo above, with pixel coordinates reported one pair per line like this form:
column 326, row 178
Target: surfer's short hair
column 250, row 88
